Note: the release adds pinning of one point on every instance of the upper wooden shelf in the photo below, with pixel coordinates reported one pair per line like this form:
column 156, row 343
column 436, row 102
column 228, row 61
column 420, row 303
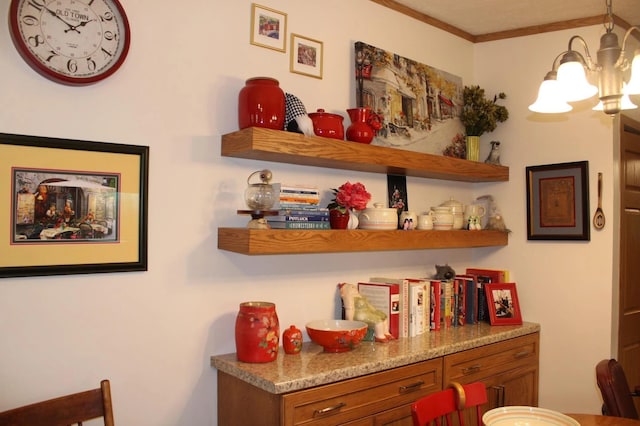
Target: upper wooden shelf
column 258, row 143
column 293, row 241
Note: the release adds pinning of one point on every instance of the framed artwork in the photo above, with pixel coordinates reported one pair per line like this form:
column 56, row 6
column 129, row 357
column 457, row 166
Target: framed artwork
column 268, row 28
column 73, row 207
column 417, row 104
column 558, row 201
column 306, row 56
column 397, row 193
column 504, row 308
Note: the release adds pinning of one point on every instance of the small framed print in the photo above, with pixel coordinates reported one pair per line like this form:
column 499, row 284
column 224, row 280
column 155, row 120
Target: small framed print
column 268, row 28
column 558, row 201
column 504, row 308
column 306, row 56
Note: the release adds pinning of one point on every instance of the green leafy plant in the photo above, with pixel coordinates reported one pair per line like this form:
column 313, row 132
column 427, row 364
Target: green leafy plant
column 479, row 114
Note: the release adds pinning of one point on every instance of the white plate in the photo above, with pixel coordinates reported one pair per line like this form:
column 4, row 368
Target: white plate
column 526, row 416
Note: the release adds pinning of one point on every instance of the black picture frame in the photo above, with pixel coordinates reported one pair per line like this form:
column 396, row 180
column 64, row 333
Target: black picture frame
column 105, row 183
column 558, row 201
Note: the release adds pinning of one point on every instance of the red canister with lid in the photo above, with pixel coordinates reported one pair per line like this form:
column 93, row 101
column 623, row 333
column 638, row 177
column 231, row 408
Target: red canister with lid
column 327, row 125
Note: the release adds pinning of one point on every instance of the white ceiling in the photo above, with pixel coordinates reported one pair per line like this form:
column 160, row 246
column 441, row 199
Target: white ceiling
column 479, row 17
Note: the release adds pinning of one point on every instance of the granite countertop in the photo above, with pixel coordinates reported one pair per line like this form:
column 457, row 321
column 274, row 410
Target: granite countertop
column 314, row 367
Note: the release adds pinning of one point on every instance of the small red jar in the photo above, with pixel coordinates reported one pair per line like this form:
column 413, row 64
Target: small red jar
column 327, row 125
column 261, row 103
column 292, row 340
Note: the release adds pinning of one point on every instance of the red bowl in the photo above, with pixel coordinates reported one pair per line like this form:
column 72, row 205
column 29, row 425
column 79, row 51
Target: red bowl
column 337, row 335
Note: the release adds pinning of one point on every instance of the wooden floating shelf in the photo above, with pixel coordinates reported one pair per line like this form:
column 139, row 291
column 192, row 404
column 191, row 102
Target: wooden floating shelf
column 289, row 241
column 258, row 143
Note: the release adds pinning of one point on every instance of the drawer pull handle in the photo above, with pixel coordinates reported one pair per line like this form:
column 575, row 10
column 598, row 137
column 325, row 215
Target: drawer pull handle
column 325, row 411
column 412, row 387
column 521, row 354
column 472, row 369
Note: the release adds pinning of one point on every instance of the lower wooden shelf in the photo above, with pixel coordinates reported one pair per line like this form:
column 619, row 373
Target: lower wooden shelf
column 289, row 241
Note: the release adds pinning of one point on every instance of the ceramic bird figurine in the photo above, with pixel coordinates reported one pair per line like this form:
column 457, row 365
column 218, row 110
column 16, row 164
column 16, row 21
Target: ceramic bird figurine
column 494, row 155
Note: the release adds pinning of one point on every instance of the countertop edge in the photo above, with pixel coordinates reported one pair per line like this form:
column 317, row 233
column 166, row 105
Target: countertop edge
column 312, row 367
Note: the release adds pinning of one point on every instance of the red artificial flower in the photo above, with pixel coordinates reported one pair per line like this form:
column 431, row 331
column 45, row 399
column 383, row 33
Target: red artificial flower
column 350, row 196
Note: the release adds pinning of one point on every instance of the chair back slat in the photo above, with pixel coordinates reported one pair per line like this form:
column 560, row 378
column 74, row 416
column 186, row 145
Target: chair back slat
column 63, row 411
column 616, row 394
column 442, row 405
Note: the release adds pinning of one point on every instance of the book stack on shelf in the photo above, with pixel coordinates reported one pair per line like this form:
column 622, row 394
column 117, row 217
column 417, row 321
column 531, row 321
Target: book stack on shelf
column 415, row 306
column 298, row 208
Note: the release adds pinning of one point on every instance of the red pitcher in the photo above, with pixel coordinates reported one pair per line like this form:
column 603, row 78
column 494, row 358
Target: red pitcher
column 363, row 125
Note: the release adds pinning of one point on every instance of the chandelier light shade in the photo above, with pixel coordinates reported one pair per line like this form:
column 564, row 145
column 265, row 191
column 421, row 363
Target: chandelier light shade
column 568, row 82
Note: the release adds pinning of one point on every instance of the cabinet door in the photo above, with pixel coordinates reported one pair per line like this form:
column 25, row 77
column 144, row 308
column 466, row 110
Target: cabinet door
column 515, row 387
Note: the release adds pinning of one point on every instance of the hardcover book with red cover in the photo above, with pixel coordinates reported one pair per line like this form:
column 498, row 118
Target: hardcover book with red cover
column 385, row 297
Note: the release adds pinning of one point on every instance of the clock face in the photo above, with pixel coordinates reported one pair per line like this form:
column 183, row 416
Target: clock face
column 71, row 41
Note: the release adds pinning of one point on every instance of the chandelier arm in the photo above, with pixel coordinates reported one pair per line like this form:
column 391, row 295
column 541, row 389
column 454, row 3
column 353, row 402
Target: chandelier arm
column 587, row 57
column 622, row 62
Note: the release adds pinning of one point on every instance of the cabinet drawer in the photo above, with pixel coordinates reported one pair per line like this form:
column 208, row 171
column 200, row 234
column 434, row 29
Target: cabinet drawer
column 363, row 396
column 480, row 363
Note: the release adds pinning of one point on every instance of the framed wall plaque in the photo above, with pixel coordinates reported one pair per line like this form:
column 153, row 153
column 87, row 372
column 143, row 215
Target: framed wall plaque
column 558, row 201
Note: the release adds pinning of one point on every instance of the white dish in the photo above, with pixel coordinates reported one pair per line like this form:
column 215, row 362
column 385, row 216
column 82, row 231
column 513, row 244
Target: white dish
column 526, row 416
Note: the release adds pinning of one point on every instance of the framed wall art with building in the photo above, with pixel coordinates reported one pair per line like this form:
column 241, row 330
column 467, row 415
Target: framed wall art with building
column 75, row 206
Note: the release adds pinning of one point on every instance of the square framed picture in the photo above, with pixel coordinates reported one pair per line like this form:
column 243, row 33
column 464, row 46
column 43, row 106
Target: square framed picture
column 558, row 201
column 72, row 207
column 502, row 299
column 306, row 56
column 268, row 28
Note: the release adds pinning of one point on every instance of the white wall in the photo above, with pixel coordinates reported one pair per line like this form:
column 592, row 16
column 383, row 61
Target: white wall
column 152, row 333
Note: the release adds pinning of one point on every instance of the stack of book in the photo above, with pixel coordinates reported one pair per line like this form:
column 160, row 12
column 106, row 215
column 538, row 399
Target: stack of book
column 298, row 208
column 309, row 218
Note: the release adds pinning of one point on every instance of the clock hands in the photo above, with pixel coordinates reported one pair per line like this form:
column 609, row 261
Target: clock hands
column 71, row 27
column 74, row 27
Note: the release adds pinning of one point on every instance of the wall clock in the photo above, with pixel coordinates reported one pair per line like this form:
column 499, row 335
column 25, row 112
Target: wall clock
column 71, row 42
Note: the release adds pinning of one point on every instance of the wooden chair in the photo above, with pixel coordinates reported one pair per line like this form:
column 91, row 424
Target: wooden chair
column 616, row 394
column 431, row 409
column 63, row 411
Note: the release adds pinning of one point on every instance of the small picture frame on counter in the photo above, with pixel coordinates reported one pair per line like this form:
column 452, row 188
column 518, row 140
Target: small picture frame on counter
column 502, row 300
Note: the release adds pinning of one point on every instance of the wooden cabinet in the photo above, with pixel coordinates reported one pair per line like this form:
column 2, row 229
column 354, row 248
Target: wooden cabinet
column 272, row 145
column 374, row 399
column 509, row 369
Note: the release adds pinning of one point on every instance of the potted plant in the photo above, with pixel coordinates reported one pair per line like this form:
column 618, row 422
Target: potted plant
column 480, row 115
column 347, row 198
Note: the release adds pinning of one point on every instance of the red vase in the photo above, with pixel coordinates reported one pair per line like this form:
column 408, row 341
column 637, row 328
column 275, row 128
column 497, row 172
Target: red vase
column 338, row 220
column 261, row 103
column 292, row 340
column 257, row 332
column 360, row 129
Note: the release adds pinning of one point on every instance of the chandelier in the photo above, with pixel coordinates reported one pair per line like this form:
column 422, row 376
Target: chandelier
column 617, row 77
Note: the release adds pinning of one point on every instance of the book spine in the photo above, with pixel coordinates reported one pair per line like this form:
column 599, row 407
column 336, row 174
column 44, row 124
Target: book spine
column 483, row 305
column 308, row 212
column 288, row 218
column 471, row 294
column 445, row 306
column 461, row 303
column 434, row 311
column 300, row 225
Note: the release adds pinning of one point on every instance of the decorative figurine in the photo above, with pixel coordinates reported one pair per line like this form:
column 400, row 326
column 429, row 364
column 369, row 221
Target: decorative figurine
column 494, row 155
column 296, row 118
column 358, row 308
column 444, row 272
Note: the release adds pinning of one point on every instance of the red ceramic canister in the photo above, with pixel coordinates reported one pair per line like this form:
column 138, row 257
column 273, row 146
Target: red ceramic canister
column 257, row 332
column 327, row 125
column 292, row 340
column 261, row 103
